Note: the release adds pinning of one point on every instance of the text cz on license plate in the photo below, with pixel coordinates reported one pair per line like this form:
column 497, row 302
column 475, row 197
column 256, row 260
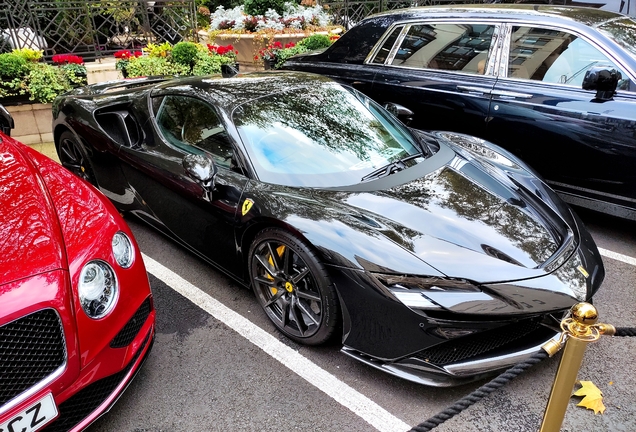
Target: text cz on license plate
column 33, row 418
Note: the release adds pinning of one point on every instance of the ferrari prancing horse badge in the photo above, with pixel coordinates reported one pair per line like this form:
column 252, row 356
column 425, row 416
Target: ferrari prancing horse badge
column 247, row 205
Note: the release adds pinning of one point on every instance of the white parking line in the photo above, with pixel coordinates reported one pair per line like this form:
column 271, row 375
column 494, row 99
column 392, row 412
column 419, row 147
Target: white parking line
column 619, row 257
column 359, row 404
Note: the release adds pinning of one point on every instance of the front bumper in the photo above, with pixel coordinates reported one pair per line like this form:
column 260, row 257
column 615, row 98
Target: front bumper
column 94, row 400
column 420, row 371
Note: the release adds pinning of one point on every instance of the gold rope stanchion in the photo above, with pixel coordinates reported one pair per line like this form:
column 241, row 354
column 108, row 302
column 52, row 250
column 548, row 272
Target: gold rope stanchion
column 578, row 329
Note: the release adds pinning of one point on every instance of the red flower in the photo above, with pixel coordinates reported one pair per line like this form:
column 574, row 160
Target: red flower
column 126, row 54
column 334, row 37
column 122, row 54
column 222, row 50
column 67, row 58
column 290, row 45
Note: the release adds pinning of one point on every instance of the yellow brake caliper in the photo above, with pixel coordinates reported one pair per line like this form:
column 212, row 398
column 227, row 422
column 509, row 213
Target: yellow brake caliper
column 280, row 250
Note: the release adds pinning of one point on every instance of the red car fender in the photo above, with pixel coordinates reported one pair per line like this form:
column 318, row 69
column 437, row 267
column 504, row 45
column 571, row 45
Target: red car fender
column 88, row 222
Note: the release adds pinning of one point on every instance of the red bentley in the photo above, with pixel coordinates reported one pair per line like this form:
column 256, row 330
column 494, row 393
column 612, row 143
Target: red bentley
column 76, row 312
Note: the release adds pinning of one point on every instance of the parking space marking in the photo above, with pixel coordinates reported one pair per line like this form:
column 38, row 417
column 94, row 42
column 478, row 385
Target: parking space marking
column 619, row 257
column 342, row 393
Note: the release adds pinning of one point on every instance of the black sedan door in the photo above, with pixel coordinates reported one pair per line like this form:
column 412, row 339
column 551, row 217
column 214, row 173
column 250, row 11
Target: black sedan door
column 440, row 71
column 202, row 220
column 582, row 146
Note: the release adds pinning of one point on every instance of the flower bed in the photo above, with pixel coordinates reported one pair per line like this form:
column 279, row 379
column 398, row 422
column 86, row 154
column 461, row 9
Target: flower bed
column 184, row 58
column 23, row 74
column 251, row 34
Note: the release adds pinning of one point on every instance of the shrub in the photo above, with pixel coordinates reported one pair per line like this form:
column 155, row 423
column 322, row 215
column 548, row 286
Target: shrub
column 46, row 82
column 161, row 50
column 260, row 7
column 286, row 53
column 12, row 66
column 184, row 53
column 28, row 54
column 75, row 74
column 206, row 64
column 316, row 41
column 148, row 66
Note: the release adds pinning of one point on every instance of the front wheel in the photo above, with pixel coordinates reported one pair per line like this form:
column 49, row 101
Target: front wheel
column 73, row 157
column 293, row 287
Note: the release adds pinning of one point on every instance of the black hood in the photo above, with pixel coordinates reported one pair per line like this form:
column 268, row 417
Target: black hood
column 463, row 221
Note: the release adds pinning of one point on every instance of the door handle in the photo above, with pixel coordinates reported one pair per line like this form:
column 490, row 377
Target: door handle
column 510, row 94
column 471, row 89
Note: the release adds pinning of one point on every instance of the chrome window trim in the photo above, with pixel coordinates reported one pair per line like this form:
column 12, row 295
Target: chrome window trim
column 503, row 66
column 20, row 398
column 376, row 48
column 397, row 44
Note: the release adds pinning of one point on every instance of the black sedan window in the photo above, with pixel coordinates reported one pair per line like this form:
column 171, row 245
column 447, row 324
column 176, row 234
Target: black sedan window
column 321, row 136
column 454, row 47
column 554, row 56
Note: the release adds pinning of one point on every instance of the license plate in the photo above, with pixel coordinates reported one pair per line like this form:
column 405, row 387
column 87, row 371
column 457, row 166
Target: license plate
column 33, row 418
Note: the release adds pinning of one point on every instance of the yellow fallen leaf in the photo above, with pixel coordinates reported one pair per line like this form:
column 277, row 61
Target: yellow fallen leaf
column 592, row 397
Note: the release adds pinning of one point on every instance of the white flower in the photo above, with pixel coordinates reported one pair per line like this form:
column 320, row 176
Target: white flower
column 222, row 15
column 272, row 19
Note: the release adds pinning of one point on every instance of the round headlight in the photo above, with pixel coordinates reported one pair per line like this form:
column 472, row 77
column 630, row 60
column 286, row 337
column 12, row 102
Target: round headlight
column 123, row 250
column 97, row 289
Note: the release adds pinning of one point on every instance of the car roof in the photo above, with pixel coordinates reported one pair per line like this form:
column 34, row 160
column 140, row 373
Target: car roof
column 582, row 15
column 231, row 92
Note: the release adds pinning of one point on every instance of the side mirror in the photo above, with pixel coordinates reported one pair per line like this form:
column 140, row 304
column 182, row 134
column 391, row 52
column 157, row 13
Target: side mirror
column 201, row 168
column 602, row 79
column 402, row 113
column 6, row 121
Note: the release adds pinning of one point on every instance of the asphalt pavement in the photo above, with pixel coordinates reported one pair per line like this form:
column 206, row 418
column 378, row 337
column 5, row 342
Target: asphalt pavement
column 204, row 375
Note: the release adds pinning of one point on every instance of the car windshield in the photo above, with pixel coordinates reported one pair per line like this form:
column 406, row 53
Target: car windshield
column 324, row 135
column 623, row 32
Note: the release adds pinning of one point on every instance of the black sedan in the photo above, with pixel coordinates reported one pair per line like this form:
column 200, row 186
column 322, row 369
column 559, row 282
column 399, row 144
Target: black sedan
column 435, row 256
column 554, row 85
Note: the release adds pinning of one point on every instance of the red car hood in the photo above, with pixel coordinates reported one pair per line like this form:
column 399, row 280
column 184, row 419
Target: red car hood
column 30, row 237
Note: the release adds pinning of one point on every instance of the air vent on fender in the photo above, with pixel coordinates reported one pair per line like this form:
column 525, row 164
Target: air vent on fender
column 120, row 126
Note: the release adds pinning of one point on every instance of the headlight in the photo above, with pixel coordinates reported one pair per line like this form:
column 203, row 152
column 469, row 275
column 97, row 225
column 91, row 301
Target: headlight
column 123, row 250
column 97, row 289
column 428, row 293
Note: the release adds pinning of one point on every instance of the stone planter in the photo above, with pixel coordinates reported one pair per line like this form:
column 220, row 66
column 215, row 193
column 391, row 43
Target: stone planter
column 248, row 45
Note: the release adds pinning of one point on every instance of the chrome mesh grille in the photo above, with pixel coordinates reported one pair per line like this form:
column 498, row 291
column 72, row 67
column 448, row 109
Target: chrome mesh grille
column 31, row 348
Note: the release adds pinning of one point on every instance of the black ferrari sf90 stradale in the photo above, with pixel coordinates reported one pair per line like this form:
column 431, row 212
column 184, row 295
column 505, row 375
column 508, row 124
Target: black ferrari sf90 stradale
column 434, row 256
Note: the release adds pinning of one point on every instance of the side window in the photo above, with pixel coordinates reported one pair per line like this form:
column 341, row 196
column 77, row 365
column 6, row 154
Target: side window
column 187, row 122
column 453, row 47
column 385, row 49
column 554, row 56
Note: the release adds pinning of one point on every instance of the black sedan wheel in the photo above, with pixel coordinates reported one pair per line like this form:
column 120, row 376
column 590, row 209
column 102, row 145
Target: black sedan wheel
column 293, row 287
column 73, row 157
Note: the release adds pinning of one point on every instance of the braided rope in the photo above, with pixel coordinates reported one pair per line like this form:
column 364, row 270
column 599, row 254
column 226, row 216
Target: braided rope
column 625, row 331
column 480, row 393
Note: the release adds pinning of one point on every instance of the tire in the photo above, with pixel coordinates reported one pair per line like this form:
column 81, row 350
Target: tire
column 293, row 287
column 73, row 157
